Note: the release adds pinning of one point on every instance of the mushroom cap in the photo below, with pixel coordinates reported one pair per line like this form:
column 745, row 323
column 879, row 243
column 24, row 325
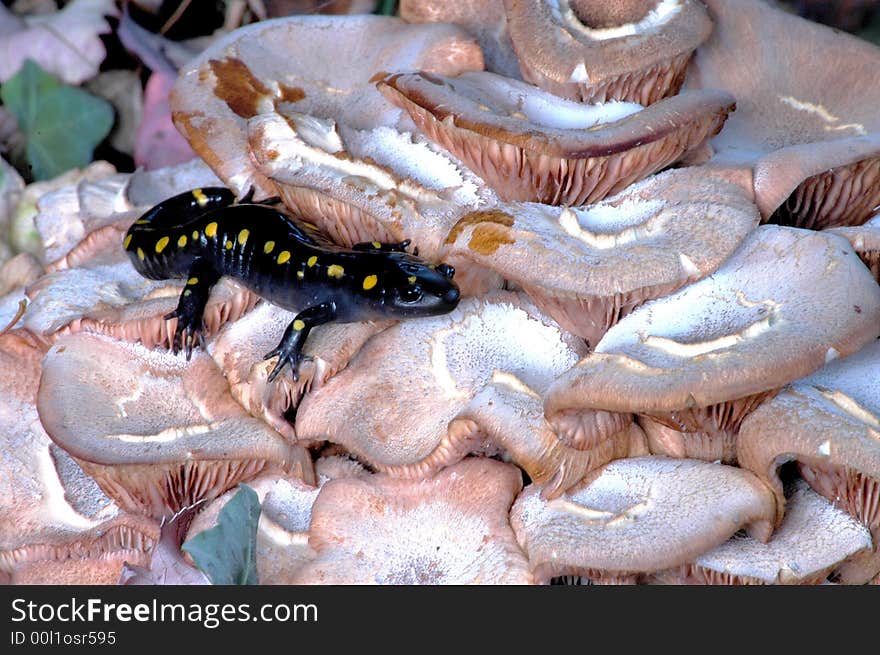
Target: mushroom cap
column 829, row 419
column 286, row 63
column 452, row 528
column 392, row 405
column 865, row 240
column 365, row 185
column 641, row 514
column 486, row 21
column 813, row 538
column 589, row 49
column 158, row 433
column 241, row 345
column 508, row 413
column 786, row 302
column 531, row 145
column 649, row 239
column 803, row 107
column 50, row 511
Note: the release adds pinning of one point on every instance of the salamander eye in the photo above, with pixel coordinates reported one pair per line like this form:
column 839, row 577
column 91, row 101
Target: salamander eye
column 410, row 294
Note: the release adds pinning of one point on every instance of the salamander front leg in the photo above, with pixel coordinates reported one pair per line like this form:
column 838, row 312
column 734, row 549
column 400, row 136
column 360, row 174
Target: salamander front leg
column 191, row 308
column 289, row 350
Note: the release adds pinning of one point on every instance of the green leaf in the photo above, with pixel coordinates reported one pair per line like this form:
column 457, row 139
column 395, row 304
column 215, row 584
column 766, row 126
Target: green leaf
column 386, row 8
column 62, row 124
column 227, row 552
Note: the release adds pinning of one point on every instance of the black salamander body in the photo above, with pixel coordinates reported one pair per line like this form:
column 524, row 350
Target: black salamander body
column 204, row 234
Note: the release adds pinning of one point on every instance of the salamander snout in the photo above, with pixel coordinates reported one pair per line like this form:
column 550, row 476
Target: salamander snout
column 423, row 290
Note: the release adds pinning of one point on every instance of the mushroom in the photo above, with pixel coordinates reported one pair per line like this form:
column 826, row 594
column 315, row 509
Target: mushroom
column 450, row 529
column 365, row 185
column 646, row 241
column 240, row 348
column 486, row 21
column 79, row 219
column 509, row 414
column 813, row 538
column 693, row 364
column 156, row 433
column 638, row 515
column 56, row 526
column 288, row 64
column 592, row 50
column 805, row 120
column 533, row 146
column 830, row 423
column 393, row 404
column 865, row 240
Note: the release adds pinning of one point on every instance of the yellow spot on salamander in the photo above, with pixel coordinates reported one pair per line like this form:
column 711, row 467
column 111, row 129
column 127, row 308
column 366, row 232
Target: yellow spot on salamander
column 283, row 257
column 195, row 235
column 127, row 242
column 369, row 282
column 300, row 274
column 377, row 245
column 335, row 270
column 141, row 255
column 143, row 221
column 228, row 245
column 243, row 237
column 200, row 197
column 192, row 281
column 211, row 230
column 269, row 247
column 181, row 242
column 187, row 292
column 161, row 243
column 411, row 279
column 298, row 325
column 312, row 261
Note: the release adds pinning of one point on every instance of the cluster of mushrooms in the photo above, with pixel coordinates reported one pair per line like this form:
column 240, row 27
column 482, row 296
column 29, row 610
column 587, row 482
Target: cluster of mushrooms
column 663, row 368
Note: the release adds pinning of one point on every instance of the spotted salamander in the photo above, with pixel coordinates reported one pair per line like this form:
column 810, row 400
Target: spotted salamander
column 204, row 234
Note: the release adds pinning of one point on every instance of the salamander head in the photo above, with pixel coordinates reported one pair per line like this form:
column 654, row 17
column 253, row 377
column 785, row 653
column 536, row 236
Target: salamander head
column 419, row 289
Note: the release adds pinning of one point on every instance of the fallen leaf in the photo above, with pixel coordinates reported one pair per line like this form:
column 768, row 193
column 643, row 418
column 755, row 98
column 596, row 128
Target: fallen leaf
column 227, row 552
column 62, row 124
column 66, row 43
column 157, row 142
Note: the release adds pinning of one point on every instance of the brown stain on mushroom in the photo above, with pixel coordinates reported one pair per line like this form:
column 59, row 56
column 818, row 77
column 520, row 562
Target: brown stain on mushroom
column 290, row 93
column 487, row 238
column 237, row 86
column 489, row 233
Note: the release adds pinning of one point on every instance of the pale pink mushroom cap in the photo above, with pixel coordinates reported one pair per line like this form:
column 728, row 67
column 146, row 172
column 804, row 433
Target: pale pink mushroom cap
column 813, row 538
column 56, row 525
column 646, row 241
column 241, row 345
column 157, row 433
column 591, row 50
column 806, row 119
column 450, row 529
column 533, row 146
column 638, row 515
column 830, row 423
column 360, row 185
column 485, row 20
column 785, row 303
column 316, row 65
column 865, row 240
column 393, row 403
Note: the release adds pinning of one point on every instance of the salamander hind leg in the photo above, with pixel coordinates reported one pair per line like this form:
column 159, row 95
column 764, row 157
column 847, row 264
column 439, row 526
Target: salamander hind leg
column 191, row 308
column 289, row 350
